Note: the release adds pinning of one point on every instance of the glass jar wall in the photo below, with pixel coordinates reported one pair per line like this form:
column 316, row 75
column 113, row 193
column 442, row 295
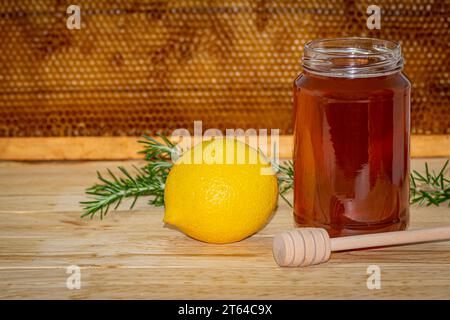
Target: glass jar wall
column 351, row 132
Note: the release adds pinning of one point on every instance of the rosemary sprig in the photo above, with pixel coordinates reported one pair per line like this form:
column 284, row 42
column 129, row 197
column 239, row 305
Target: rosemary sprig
column 146, row 181
column 285, row 179
column 430, row 188
column 159, row 153
column 113, row 190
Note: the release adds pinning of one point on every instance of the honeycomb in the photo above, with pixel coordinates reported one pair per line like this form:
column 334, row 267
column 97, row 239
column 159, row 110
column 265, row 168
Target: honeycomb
column 152, row 66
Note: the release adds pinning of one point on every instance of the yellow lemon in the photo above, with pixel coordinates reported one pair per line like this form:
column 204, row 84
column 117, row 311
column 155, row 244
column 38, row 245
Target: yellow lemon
column 220, row 191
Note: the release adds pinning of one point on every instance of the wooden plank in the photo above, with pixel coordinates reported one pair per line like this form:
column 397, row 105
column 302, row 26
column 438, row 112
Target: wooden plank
column 133, row 255
column 334, row 281
column 430, row 146
column 139, row 238
column 69, row 148
column 120, row 148
column 89, row 148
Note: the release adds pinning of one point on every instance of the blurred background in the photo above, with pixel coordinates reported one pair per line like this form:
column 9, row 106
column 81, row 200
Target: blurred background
column 149, row 66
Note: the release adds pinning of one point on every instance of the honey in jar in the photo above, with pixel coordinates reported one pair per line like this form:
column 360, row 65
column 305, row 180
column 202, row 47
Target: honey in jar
column 351, row 130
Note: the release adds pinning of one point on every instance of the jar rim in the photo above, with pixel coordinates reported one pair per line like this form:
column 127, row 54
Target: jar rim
column 352, row 57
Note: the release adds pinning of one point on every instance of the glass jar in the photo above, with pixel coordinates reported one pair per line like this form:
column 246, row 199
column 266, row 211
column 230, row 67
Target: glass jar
column 351, row 130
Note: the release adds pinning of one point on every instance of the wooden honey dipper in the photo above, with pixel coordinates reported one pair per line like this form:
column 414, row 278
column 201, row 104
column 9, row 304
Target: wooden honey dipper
column 303, row 247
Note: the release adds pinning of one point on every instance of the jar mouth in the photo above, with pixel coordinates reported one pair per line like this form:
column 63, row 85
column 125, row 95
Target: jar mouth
column 352, row 57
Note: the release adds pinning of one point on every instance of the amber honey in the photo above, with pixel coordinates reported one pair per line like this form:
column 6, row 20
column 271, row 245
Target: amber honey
column 351, row 128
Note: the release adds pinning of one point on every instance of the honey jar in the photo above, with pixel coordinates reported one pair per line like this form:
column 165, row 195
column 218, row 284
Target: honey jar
column 351, row 114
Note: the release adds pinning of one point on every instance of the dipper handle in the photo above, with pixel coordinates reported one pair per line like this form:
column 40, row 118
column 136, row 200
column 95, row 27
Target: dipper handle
column 390, row 238
column 309, row 246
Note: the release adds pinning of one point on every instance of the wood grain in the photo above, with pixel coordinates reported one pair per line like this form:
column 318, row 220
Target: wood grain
column 133, row 255
column 121, row 148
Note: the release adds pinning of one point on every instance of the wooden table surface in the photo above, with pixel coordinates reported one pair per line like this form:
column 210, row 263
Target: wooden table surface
column 132, row 254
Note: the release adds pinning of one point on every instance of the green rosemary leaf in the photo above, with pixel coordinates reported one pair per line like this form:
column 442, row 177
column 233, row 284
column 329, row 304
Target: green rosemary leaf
column 286, row 200
column 118, row 203
column 413, row 181
column 134, row 202
column 113, row 176
column 418, row 176
column 148, row 181
column 427, row 173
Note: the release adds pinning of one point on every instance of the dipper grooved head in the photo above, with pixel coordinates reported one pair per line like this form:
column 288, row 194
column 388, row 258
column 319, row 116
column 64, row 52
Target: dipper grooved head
column 301, row 247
